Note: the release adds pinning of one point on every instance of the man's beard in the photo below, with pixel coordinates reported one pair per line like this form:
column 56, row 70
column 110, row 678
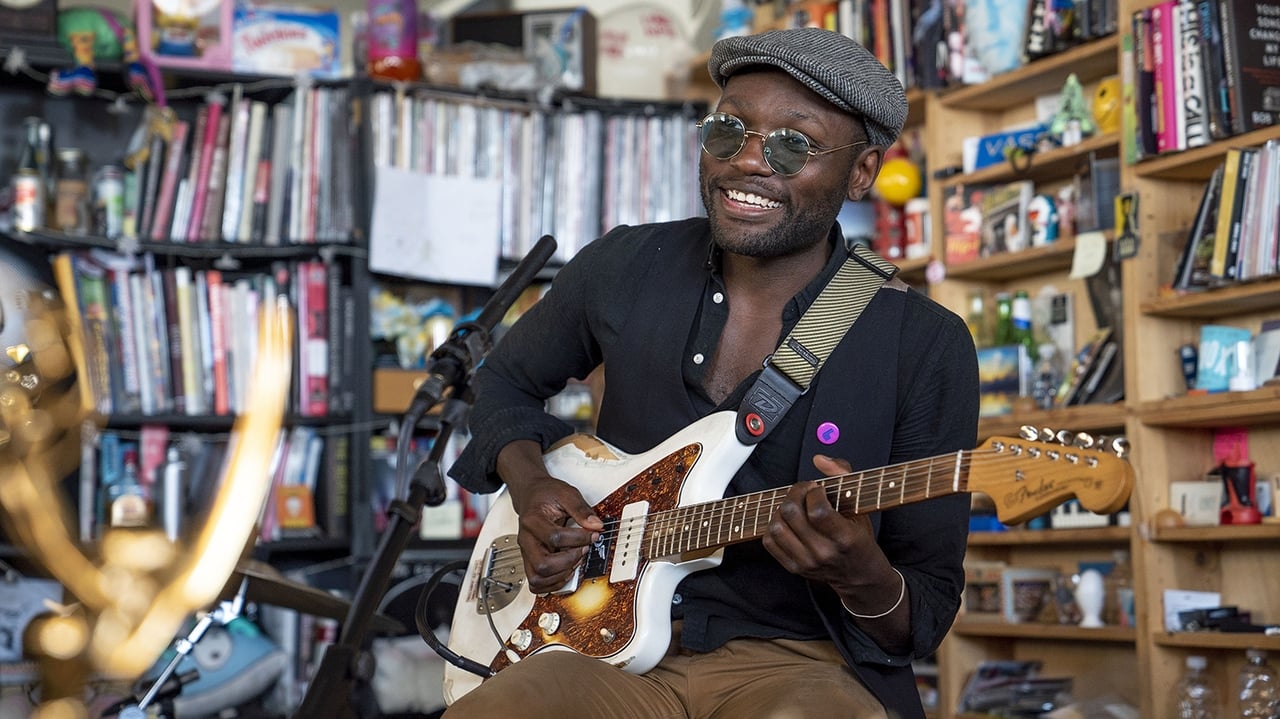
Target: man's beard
column 793, row 232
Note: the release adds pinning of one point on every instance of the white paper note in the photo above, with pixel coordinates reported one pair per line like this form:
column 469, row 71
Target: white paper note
column 435, row 228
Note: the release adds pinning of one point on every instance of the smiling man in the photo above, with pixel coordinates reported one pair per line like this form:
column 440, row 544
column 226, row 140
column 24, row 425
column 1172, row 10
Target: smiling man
column 825, row 614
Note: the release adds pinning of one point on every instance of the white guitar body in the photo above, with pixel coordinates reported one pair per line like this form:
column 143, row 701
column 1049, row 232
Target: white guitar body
column 623, row 615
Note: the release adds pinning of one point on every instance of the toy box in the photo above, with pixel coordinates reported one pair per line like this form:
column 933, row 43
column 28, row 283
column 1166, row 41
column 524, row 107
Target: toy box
column 187, row 35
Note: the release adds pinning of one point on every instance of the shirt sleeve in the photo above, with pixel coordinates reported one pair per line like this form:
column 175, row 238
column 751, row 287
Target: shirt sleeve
column 926, row 540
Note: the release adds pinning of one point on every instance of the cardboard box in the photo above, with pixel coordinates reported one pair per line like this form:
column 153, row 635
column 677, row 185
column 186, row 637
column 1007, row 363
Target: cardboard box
column 394, row 388
column 1199, row 502
column 271, row 40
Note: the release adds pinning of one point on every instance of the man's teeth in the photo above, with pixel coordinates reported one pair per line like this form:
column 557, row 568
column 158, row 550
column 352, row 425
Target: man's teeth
column 752, row 199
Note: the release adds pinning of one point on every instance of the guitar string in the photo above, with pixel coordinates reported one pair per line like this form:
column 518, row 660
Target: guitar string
column 678, row 517
column 916, row 475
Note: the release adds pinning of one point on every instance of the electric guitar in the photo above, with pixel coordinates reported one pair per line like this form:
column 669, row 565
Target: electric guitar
column 666, row 516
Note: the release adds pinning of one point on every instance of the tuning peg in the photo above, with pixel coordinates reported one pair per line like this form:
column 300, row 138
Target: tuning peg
column 1029, row 433
column 1084, row 440
column 1047, row 434
column 1065, row 437
column 1120, row 445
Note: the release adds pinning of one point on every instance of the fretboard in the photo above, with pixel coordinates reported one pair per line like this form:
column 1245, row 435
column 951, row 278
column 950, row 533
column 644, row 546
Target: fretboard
column 722, row 522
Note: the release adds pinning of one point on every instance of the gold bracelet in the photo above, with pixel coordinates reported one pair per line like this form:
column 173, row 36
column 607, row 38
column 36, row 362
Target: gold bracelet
column 886, row 612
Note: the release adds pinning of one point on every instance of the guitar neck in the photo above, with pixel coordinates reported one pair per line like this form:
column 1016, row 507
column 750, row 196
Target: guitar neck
column 719, row 523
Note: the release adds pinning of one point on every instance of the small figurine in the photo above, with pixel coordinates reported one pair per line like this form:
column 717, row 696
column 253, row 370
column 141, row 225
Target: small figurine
column 1073, row 121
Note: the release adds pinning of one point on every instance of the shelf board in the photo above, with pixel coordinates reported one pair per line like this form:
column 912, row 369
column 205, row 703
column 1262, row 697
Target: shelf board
column 1198, row 163
column 1010, row 265
column 1082, row 418
column 1032, row 630
column 50, row 239
column 1218, row 302
column 1050, row 537
column 1224, row 533
column 1048, row 165
column 1260, row 406
column 1089, row 61
column 912, row 271
column 1217, row 640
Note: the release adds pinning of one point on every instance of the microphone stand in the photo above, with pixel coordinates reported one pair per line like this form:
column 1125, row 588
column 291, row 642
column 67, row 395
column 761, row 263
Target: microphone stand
column 450, row 367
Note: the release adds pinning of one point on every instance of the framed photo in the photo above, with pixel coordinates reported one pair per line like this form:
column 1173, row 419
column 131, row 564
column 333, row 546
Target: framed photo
column 982, row 590
column 563, row 46
column 1026, row 592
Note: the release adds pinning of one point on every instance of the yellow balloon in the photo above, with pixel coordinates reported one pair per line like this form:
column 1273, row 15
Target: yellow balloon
column 1106, row 105
column 898, row 181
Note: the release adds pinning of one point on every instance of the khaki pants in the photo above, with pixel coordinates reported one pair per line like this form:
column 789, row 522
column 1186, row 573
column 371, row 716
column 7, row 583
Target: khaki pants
column 744, row 679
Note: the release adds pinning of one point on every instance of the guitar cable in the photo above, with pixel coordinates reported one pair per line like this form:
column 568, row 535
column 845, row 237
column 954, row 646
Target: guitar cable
column 428, row 633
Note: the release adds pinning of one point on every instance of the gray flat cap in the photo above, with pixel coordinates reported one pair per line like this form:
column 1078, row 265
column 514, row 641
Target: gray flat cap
column 831, row 64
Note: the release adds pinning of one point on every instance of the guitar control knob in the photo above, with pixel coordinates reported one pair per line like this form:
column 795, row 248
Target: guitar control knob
column 549, row 622
column 521, row 639
column 607, row 634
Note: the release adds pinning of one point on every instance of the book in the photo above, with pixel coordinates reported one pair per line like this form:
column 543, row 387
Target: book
column 962, row 222
column 1249, row 38
column 211, row 222
column 1165, row 92
column 1147, row 105
column 234, row 178
column 1081, row 367
column 1002, row 374
column 1235, row 180
column 162, row 220
column 199, row 192
column 1195, row 126
column 1004, row 218
column 1193, row 268
column 1217, row 103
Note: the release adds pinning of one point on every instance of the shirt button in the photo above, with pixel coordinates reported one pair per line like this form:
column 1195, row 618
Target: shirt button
column 676, row 599
column 717, row 297
column 697, row 359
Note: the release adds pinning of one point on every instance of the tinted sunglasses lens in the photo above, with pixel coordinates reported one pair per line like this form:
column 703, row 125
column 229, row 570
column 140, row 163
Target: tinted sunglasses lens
column 786, row 151
column 722, row 135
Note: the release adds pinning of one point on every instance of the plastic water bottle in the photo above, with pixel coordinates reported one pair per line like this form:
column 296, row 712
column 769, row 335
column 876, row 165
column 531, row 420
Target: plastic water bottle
column 1259, row 687
column 1194, row 696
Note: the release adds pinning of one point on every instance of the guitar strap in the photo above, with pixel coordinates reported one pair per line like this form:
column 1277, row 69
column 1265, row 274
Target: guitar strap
column 791, row 368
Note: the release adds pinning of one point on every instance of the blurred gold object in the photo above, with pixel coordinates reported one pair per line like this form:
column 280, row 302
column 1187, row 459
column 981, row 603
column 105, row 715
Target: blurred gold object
column 134, row 596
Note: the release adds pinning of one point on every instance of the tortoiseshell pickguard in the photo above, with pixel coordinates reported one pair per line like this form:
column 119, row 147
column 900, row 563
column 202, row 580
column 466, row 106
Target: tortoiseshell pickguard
column 599, row 618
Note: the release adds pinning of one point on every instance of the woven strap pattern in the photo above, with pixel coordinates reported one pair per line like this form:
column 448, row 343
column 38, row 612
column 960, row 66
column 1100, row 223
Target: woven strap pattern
column 803, row 352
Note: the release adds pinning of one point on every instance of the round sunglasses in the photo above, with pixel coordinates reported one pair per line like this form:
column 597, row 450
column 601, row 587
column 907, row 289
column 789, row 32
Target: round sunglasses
column 786, row 151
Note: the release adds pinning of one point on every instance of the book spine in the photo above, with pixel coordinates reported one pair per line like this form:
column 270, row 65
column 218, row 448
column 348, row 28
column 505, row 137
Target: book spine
column 252, row 161
column 219, row 331
column 141, row 313
column 281, row 148
column 122, row 302
column 1247, row 157
column 1217, row 105
column 162, row 219
column 211, row 223
column 1231, row 65
column 158, row 348
column 315, row 339
column 233, row 188
column 1195, row 121
column 199, row 194
column 1147, row 105
column 1230, row 176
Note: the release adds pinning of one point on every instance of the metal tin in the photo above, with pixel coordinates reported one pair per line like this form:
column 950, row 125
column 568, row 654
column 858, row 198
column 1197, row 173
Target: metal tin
column 28, row 201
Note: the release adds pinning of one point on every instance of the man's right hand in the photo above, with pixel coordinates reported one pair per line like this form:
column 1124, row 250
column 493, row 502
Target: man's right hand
column 557, row 526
